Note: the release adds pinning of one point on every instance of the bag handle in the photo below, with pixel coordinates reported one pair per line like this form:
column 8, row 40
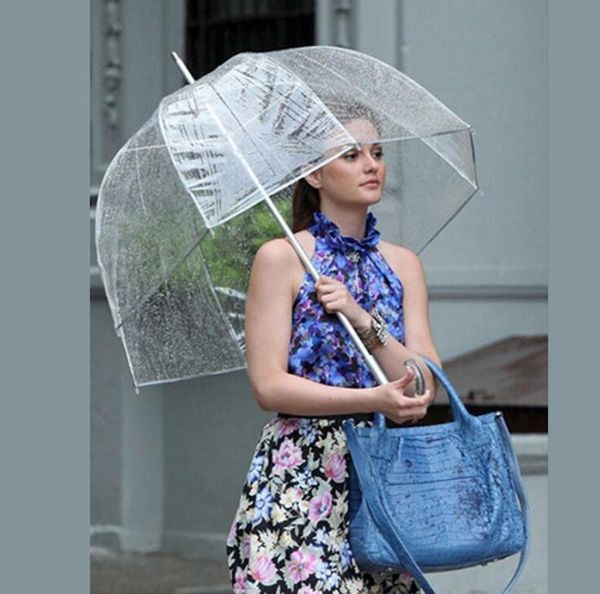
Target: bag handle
column 371, row 490
column 459, row 412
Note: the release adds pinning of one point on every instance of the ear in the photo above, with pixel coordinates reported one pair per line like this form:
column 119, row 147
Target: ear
column 314, row 179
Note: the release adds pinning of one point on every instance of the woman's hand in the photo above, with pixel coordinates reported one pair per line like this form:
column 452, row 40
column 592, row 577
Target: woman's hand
column 335, row 296
column 390, row 400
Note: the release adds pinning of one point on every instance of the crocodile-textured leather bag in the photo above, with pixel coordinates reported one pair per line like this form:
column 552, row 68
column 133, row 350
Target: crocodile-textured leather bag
column 435, row 498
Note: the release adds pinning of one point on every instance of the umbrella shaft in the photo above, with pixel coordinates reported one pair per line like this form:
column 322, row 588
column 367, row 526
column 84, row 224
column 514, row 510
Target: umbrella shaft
column 370, row 360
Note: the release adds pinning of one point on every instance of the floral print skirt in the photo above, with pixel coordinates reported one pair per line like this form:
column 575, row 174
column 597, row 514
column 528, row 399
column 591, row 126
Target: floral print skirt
column 289, row 534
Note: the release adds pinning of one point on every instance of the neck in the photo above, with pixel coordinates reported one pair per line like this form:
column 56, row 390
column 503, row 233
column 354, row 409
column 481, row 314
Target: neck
column 352, row 223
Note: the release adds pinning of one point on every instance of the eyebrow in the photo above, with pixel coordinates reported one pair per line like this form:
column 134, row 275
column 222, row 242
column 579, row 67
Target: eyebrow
column 374, row 144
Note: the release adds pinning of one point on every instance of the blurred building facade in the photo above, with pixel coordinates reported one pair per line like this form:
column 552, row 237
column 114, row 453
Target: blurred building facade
column 168, row 464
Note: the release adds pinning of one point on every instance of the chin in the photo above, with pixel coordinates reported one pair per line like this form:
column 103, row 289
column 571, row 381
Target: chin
column 365, row 204
column 371, row 195
column 374, row 199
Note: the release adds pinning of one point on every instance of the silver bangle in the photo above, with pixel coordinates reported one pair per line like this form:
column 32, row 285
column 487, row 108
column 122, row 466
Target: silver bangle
column 379, row 326
column 419, row 377
column 376, row 334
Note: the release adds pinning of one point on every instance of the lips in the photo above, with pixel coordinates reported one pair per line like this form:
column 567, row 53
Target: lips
column 372, row 183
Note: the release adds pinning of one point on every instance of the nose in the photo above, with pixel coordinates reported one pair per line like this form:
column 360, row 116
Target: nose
column 370, row 162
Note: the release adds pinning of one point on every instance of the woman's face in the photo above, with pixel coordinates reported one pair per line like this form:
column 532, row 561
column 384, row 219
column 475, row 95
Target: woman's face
column 357, row 177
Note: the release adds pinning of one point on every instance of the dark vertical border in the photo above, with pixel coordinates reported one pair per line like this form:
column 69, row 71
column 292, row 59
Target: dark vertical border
column 574, row 309
column 44, row 255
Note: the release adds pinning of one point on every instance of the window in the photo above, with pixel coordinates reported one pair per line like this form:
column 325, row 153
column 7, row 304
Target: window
column 216, row 30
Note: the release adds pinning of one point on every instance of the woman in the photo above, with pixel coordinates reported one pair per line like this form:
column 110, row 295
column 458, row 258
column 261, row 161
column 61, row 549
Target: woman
column 290, row 531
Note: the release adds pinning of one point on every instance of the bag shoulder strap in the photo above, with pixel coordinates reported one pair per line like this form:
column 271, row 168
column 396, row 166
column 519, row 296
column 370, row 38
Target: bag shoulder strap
column 370, row 492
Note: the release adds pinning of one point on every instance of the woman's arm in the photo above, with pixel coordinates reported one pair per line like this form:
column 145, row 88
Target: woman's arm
column 417, row 330
column 268, row 327
column 417, row 333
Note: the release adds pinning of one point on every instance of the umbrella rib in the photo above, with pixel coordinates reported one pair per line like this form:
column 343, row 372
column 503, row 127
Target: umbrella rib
column 137, row 179
column 475, row 191
column 243, row 126
column 212, row 166
column 245, row 164
column 121, row 335
column 220, row 308
column 318, row 99
column 459, row 171
column 146, row 148
column 172, row 158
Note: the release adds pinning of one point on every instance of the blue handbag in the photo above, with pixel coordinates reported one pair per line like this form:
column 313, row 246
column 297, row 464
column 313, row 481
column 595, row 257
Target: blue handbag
column 436, row 498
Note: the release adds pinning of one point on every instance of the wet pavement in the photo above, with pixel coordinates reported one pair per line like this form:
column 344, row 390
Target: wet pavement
column 157, row 573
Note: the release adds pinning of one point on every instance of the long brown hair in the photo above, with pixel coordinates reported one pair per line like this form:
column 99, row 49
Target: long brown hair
column 306, row 199
column 305, row 202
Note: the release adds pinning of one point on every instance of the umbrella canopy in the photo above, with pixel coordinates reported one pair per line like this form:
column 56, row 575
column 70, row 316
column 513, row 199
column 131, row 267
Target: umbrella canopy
column 181, row 208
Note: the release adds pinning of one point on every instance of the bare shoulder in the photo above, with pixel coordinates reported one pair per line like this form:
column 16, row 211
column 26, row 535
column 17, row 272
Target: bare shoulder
column 398, row 251
column 277, row 259
column 404, row 262
column 276, row 252
column 280, row 251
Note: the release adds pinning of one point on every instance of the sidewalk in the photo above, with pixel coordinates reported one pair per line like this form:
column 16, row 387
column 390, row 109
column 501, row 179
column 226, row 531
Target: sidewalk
column 157, row 573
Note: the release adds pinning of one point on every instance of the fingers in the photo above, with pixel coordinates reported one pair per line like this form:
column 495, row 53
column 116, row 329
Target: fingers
column 324, row 281
column 412, row 416
column 405, row 379
column 327, row 285
column 332, row 294
column 413, row 406
column 402, row 408
column 418, row 412
column 330, row 297
column 334, row 301
column 422, row 400
column 413, row 413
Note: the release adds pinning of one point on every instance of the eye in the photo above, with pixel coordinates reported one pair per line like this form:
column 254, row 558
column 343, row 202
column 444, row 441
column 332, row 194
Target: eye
column 378, row 153
column 350, row 156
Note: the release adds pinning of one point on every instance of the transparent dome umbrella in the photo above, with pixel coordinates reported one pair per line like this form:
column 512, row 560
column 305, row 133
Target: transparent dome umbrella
column 188, row 200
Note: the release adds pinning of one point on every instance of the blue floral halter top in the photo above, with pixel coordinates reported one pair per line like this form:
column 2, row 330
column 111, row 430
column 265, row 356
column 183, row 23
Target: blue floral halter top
column 320, row 348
